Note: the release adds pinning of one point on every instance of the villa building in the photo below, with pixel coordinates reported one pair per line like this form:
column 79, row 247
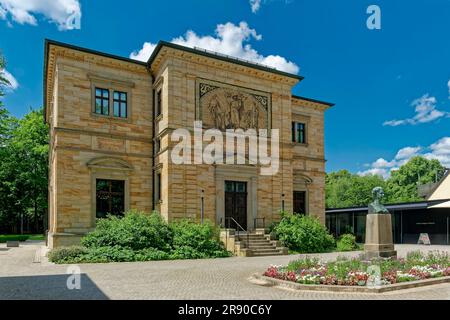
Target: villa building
column 111, row 121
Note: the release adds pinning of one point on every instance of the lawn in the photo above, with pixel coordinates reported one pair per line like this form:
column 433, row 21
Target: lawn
column 20, row 237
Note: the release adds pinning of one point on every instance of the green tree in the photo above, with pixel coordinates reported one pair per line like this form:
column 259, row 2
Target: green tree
column 23, row 165
column 23, row 171
column 402, row 185
column 344, row 189
column 3, row 112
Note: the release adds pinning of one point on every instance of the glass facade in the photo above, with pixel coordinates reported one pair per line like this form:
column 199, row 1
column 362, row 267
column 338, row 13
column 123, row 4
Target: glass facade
column 407, row 224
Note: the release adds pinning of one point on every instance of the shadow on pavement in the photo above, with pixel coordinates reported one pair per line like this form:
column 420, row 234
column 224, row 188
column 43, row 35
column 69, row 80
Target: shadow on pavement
column 48, row 287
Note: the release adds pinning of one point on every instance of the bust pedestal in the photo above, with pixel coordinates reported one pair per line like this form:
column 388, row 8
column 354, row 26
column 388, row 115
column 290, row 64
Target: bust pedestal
column 379, row 243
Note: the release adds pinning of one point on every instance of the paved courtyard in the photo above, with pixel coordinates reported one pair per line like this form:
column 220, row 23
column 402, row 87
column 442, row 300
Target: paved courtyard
column 22, row 276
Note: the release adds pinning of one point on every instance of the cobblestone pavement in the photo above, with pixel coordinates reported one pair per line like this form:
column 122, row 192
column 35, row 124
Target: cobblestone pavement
column 226, row 278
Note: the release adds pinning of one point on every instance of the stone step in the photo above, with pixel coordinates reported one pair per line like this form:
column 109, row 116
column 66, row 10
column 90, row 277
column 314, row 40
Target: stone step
column 265, row 254
column 251, row 235
column 259, row 248
column 265, row 245
column 255, row 241
column 253, row 244
column 263, row 250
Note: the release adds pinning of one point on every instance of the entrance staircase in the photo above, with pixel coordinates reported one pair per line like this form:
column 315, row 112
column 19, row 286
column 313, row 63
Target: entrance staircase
column 252, row 243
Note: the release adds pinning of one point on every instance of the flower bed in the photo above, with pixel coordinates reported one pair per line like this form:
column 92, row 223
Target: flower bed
column 356, row 272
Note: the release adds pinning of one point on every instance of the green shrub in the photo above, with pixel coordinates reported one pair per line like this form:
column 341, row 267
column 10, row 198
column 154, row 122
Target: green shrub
column 108, row 254
column 141, row 237
column 304, row 234
column 195, row 241
column 66, row 254
column 136, row 231
column 151, row 254
column 13, row 237
column 347, row 242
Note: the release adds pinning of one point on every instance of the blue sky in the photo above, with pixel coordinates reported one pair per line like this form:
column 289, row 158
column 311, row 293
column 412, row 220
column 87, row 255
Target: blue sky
column 390, row 86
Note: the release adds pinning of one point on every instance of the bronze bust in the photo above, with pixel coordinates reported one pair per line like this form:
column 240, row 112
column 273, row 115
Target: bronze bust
column 376, row 206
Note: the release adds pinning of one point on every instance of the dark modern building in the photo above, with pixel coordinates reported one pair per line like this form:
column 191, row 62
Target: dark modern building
column 409, row 220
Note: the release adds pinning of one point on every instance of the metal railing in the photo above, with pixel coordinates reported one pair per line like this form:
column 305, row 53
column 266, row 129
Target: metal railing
column 239, row 228
column 255, row 222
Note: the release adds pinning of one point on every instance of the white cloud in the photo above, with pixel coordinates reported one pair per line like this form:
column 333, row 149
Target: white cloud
column 229, row 39
column 13, row 83
column 376, row 171
column 56, row 11
column 382, row 163
column 439, row 150
column 425, row 108
column 255, row 5
column 448, row 85
column 2, row 13
column 145, row 53
column 407, row 153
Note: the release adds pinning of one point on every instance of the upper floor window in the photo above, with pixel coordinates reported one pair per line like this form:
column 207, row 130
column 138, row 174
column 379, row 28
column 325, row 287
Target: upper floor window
column 120, row 104
column 298, row 132
column 158, row 101
column 102, row 101
column 111, row 102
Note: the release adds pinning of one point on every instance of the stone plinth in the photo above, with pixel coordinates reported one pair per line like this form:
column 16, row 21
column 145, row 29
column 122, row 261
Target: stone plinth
column 379, row 243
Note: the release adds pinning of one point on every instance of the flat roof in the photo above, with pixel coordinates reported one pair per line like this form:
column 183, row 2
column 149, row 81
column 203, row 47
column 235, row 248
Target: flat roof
column 393, row 207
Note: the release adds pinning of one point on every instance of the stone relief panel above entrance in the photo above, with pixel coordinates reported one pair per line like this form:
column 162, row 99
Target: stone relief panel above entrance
column 224, row 106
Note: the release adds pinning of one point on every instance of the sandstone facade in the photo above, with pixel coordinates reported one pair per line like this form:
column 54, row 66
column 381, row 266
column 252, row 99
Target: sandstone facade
column 86, row 146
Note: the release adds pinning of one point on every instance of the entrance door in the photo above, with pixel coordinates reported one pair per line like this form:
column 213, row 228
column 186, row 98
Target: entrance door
column 236, row 203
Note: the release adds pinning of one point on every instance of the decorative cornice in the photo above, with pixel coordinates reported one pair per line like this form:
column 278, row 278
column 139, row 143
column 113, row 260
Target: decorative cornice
column 228, row 64
column 110, row 80
column 109, row 163
column 102, row 134
column 294, row 157
column 311, row 103
column 136, row 155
